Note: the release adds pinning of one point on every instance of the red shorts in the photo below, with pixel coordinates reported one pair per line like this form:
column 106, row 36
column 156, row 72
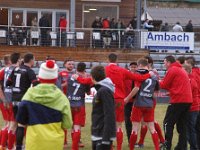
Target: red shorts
column 7, row 113
column 119, row 110
column 78, row 115
column 142, row 112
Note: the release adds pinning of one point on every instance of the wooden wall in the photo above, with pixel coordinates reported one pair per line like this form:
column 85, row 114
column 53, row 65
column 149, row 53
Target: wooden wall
column 77, row 54
column 126, row 7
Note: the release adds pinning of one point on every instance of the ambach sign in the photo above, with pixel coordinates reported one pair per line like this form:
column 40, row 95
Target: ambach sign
column 167, row 40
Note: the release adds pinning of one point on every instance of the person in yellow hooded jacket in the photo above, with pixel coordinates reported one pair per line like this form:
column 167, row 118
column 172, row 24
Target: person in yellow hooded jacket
column 45, row 111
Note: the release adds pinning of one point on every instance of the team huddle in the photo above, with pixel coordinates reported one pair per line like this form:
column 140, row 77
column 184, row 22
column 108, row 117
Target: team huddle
column 43, row 108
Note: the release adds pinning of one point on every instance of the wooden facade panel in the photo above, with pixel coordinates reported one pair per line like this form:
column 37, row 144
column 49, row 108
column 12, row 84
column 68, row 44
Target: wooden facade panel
column 126, row 7
column 77, row 54
column 52, row 4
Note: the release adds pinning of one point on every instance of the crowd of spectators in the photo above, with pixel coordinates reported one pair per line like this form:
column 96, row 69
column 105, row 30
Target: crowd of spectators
column 107, row 32
column 38, row 33
column 112, row 33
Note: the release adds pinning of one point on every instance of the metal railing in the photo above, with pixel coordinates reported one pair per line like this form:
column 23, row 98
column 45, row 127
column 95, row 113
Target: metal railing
column 78, row 37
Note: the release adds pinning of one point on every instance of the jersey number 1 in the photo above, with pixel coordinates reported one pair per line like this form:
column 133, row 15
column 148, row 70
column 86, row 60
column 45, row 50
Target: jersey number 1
column 17, row 82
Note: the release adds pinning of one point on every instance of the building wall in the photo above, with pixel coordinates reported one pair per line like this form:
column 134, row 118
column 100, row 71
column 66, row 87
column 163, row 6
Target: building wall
column 173, row 4
column 126, row 7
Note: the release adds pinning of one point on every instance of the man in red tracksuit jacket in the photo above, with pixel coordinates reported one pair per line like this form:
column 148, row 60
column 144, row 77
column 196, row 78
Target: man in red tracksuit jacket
column 177, row 82
column 196, row 74
column 194, row 110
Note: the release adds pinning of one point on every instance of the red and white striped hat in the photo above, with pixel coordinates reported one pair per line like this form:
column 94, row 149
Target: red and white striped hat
column 48, row 72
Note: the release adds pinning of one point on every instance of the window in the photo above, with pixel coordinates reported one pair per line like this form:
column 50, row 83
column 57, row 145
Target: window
column 17, row 17
column 91, row 11
column 31, row 15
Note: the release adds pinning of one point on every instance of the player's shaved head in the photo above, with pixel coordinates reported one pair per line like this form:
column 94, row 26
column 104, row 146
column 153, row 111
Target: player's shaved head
column 143, row 62
column 170, row 59
column 81, row 67
column 14, row 57
column 6, row 59
column 112, row 58
column 190, row 60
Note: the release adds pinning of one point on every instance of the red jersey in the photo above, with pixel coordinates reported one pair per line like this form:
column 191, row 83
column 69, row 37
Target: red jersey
column 196, row 75
column 64, row 77
column 63, row 24
column 85, row 80
column 2, row 74
column 195, row 94
column 118, row 76
column 177, row 82
column 106, row 24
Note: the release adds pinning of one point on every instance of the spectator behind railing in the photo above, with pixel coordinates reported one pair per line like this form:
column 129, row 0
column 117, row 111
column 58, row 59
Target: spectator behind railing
column 120, row 33
column 106, row 34
column 21, row 34
column 97, row 25
column 44, row 24
column 189, row 26
column 165, row 28
column 13, row 35
column 34, row 28
column 147, row 25
column 133, row 22
column 61, row 40
column 177, row 27
column 129, row 34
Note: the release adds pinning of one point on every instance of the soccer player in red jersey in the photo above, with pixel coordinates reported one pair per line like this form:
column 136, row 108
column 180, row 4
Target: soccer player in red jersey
column 144, row 104
column 196, row 74
column 76, row 95
column 177, row 82
column 63, row 76
column 21, row 78
column 69, row 70
column 4, row 104
column 118, row 76
column 143, row 129
column 7, row 135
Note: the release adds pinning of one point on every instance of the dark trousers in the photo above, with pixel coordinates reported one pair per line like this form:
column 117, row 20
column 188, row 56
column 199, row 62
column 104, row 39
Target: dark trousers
column 191, row 129
column 61, row 41
column 128, row 123
column 198, row 130
column 176, row 114
column 44, row 41
column 97, row 145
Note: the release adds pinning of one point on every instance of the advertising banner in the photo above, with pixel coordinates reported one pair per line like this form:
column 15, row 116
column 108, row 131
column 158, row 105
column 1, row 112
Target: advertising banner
column 167, row 40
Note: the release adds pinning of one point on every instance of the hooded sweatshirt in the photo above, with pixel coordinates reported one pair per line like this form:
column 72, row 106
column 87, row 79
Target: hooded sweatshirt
column 103, row 112
column 177, row 82
column 195, row 97
column 196, row 75
column 46, row 112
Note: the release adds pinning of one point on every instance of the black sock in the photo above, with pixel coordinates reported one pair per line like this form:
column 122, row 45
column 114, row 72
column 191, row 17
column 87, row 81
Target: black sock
column 19, row 138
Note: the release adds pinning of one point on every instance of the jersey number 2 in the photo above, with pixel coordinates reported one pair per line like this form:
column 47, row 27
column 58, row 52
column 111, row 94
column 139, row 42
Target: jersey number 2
column 146, row 88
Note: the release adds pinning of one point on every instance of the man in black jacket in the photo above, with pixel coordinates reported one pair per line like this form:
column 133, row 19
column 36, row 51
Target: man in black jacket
column 44, row 28
column 103, row 113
